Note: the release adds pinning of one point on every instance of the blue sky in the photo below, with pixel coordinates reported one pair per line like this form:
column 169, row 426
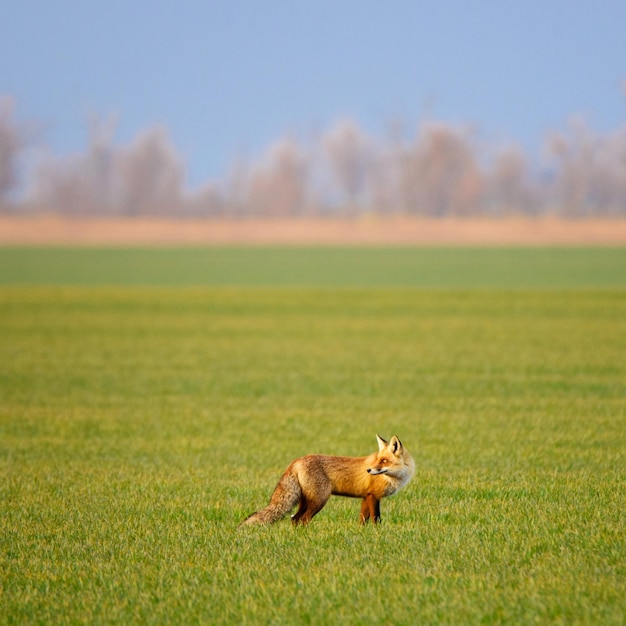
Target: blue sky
column 228, row 78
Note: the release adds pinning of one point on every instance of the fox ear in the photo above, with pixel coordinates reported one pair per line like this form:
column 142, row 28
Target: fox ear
column 381, row 443
column 395, row 445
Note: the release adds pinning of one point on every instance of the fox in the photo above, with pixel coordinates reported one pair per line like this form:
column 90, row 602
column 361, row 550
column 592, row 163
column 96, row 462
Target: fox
column 310, row 481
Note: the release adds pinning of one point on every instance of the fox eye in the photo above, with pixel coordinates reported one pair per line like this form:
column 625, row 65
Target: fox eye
column 383, row 461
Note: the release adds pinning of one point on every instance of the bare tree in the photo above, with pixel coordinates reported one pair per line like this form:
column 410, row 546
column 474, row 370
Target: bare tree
column 150, row 175
column 236, row 187
column 448, row 171
column 608, row 188
column 508, row 186
column 405, row 176
column 590, row 170
column 83, row 183
column 573, row 155
column 60, row 185
column 349, row 155
column 278, row 185
column 12, row 142
column 208, row 201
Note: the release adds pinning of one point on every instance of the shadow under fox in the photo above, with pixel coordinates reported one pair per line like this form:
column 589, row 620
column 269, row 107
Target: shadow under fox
column 310, row 481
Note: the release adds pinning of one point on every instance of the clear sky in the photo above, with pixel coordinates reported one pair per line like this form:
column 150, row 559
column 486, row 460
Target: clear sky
column 229, row 77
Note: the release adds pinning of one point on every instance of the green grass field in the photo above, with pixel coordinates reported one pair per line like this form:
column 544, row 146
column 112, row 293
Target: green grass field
column 318, row 267
column 141, row 421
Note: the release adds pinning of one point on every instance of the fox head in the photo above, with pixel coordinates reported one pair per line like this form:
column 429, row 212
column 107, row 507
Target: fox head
column 389, row 459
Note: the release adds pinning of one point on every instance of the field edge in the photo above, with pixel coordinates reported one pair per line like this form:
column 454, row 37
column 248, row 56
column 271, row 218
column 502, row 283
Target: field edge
column 366, row 230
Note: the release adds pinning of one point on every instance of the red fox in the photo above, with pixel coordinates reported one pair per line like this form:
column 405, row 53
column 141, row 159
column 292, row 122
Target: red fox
column 310, row 480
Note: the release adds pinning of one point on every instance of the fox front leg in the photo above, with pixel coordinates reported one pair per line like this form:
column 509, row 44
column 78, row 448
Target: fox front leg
column 370, row 509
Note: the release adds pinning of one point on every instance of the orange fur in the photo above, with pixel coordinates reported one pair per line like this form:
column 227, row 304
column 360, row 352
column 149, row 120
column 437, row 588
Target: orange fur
column 310, row 481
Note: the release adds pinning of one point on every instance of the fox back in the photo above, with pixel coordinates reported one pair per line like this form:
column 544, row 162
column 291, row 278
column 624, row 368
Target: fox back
column 310, row 481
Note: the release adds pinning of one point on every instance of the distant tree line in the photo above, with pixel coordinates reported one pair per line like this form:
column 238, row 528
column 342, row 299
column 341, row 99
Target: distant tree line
column 437, row 170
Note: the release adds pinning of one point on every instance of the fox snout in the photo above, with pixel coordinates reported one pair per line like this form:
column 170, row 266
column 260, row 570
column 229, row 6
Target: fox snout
column 377, row 470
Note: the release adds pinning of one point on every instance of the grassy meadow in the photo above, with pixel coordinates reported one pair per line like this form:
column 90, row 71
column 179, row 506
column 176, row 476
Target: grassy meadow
column 150, row 400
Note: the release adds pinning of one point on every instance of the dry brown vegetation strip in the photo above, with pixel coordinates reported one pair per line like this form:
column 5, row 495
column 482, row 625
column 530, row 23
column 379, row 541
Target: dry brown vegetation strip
column 55, row 230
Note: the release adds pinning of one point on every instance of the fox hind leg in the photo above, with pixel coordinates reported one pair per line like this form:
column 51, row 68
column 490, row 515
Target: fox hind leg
column 312, row 509
column 306, row 511
column 310, row 505
column 302, row 507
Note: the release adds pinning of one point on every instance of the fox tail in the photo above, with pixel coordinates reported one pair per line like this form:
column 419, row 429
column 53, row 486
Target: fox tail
column 285, row 497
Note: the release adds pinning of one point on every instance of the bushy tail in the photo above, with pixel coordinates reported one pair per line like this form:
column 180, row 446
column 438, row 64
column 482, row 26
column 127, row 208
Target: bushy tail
column 285, row 497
